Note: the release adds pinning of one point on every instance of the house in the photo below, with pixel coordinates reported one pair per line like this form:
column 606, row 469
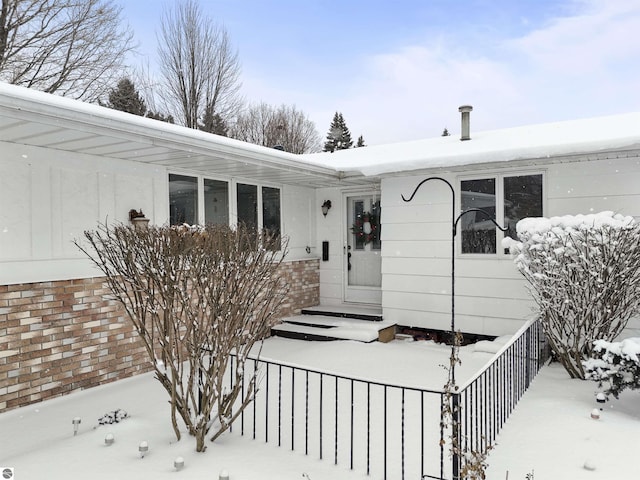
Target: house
column 353, row 240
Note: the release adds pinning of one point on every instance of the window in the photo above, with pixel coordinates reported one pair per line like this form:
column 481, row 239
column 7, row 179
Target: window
column 183, row 199
column 364, row 218
column 216, row 202
column 522, row 199
column 247, row 196
column 478, row 232
column 201, row 200
column 506, row 199
column 271, row 211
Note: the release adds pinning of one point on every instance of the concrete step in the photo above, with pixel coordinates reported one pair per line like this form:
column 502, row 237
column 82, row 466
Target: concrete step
column 323, row 328
column 359, row 312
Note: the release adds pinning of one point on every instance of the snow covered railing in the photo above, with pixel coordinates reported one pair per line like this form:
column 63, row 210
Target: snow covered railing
column 487, row 399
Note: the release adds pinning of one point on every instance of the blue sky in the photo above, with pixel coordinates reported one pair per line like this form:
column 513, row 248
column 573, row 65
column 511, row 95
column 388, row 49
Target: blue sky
column 398, row 70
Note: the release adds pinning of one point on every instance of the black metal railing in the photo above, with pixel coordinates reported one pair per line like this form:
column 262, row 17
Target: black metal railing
column 487, row 399
column 387, row 431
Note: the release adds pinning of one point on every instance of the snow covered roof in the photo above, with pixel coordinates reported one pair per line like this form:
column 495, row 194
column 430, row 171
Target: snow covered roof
column 35, row 118
column 534, row 142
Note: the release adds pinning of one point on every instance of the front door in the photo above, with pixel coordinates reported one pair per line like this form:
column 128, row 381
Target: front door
column 363, row 261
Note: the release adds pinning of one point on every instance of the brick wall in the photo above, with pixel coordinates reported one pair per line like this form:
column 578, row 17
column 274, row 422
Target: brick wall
column 57, row 337
column 303, row 278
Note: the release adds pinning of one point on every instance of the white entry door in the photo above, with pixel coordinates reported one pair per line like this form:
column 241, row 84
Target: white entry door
column 363, row 261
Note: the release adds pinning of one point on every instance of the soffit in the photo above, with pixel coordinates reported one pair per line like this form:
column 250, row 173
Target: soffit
column 156, row 143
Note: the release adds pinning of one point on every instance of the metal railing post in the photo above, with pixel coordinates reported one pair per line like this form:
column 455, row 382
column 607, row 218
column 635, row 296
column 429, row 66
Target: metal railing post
column 455, row 435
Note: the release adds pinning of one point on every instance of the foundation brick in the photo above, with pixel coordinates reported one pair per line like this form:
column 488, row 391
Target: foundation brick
column 65, row 335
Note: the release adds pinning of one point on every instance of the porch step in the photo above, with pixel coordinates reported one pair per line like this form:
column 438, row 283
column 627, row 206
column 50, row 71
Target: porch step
column 373, row 314
column 337, row 323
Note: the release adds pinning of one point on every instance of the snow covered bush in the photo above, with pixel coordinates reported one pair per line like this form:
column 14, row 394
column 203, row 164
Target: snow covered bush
column 616, row 364
column 115, row 416
column 196, row 296
column 584, row 275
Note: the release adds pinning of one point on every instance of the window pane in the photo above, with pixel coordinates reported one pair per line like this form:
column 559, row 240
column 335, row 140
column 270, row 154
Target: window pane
column 271, row 211
column 478, row 232
column 183, row 200
column 248, row 205
column 376, row 225
column 522, row 198
column 216, row 202
column 358, row 234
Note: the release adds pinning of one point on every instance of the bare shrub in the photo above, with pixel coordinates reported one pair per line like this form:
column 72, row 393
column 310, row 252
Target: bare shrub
column 197, row 297
column 584, row 274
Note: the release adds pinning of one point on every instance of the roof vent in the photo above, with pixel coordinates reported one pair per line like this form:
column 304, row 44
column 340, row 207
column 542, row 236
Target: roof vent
column 465, row 110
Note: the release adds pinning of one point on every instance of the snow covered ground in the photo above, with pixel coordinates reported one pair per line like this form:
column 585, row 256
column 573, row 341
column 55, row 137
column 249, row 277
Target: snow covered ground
column 550, row 432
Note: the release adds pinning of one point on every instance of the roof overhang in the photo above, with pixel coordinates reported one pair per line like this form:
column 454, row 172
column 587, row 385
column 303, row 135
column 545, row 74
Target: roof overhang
column 34, row 118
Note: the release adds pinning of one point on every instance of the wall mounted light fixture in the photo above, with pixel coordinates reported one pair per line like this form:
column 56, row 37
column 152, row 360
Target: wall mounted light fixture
column 326, row 206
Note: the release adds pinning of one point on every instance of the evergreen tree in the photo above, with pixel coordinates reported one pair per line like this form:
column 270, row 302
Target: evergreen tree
column 445, row 132
column 360, row 142
column 125, row 97
column 339, row 137
column 160, row 116
column 212, row 122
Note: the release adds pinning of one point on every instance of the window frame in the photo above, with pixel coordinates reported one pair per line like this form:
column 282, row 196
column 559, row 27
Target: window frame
column 499, row 177
column 232, row 195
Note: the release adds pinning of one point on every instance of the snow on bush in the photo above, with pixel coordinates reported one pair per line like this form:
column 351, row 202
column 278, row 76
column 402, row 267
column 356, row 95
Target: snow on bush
column 584, row 275
column 616, row 364
column 115, row 416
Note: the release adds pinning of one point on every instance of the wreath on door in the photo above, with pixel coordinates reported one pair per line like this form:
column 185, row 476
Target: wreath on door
column 364, row 233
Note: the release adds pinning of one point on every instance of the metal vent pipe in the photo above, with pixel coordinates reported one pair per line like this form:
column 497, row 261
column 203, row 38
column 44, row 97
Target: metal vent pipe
column 466, row 127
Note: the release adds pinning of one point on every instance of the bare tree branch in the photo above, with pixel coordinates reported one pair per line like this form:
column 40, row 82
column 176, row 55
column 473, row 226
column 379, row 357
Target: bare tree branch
column 197, row 297
column 74, row 48
column 266, row 125
column 199, row 67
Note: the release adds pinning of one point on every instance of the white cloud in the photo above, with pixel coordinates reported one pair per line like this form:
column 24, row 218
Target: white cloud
column 586, row 64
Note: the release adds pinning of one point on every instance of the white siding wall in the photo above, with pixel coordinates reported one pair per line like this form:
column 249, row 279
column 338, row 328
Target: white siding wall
column 299, row 221
column 491, row 296
column 48, row 198
column 331, row 229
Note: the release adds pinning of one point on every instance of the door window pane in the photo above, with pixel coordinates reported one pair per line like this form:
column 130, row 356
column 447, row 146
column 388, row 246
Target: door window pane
column 478, row 232
column 358, row 224
column 248, row 205
column 522, row 199
column 271, row 211
column 376, row 225
column 183, row 199
column 216, row 202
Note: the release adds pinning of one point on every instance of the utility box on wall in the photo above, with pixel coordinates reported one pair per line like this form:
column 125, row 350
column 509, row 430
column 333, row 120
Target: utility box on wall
column 325, row 251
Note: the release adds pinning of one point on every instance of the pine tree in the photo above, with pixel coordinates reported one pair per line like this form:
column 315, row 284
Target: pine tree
column 212, row 122
column 360, row 142
column 160, row 116
column 445, row 133
column 125, row 97
column 339, row 137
